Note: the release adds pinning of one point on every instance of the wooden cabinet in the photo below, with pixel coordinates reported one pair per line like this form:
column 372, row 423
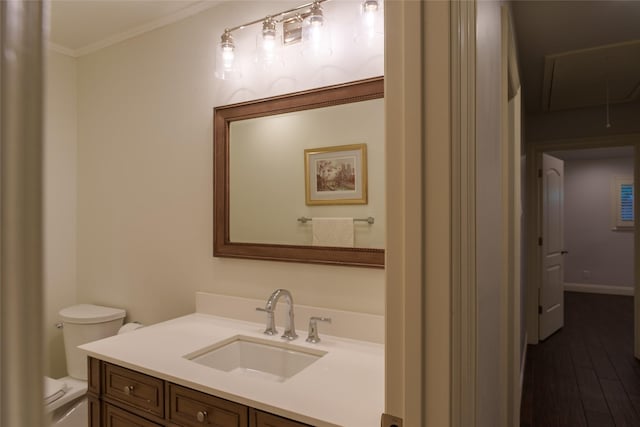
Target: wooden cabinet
column 263, row 419
column 120, row 397
column 116, row 417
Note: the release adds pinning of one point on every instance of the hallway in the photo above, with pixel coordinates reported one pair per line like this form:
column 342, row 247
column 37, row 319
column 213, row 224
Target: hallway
column 585, row 374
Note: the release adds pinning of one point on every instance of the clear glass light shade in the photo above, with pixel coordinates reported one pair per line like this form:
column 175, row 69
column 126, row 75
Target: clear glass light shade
column 316, row 37
column 371, row 22
column 226, row 61
column 268, row 47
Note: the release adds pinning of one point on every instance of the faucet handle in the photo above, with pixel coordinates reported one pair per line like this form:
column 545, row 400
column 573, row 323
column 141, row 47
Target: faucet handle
column 270, row 329
column 313, row 328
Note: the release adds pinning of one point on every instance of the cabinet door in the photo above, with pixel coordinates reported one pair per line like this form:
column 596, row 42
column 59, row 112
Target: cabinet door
column 93, row 405
column 263, row 419
column 190, row 408
column 115, row 417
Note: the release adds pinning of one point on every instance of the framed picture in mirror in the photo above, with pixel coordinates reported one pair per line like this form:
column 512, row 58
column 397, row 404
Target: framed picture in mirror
column 336, row 175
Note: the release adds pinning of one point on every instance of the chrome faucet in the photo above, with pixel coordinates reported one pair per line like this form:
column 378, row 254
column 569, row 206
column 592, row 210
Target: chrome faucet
column 313, row 328
column 270, row 307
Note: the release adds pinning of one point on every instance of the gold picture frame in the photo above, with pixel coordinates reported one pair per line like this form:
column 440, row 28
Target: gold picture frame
column 336, row 175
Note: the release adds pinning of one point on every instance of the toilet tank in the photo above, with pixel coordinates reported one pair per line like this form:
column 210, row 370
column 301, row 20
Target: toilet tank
column 84, row 323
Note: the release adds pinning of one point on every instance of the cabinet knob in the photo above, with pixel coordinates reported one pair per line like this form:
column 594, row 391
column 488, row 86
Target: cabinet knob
column 128, row 389
column 201, row 416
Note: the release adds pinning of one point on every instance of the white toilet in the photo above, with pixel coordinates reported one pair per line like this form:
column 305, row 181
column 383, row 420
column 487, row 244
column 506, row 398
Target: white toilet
column 65, row 398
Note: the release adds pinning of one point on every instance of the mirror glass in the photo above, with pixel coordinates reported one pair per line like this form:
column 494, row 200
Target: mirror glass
column 267, row 173
column 289, row 168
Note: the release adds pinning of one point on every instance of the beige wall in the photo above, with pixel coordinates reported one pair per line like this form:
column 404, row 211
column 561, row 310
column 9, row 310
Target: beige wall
column 60, row 154
column 145, row 171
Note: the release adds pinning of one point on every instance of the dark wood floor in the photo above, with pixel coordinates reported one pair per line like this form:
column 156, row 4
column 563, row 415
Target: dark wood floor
column 585, row 374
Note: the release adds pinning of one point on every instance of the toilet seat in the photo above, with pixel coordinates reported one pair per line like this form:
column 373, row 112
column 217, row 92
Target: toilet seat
column 62, row 391
column 53, row 390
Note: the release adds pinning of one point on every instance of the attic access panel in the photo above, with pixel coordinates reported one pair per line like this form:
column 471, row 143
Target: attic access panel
column 578, row 79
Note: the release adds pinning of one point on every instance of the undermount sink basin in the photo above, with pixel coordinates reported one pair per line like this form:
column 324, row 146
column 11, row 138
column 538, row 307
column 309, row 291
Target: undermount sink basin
column 255, row 357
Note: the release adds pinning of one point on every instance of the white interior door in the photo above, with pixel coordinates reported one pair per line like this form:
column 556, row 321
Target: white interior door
column 551, row 317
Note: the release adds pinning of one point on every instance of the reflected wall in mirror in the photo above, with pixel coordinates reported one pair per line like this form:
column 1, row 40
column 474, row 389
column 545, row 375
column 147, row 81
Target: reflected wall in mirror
column 259, row 164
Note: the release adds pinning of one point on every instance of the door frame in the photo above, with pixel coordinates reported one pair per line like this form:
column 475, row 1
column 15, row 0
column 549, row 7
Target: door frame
column 22, row 35
column 533, row 163
column 511, row 122
column 404, row 393
column 431, row 285
column 418, row 168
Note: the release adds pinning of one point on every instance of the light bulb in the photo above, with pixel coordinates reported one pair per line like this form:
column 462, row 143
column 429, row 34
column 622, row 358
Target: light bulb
column 267, row 52
column 370, row 6
column 371, row 24
column 228, row 48
column 226, row 67
column 227, row 58
column 369, row 12
column 269, row 35
column 315, row 34
column 316, row 16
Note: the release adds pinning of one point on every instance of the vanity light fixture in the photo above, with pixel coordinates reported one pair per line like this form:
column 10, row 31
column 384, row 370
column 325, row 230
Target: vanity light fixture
column 306, row 23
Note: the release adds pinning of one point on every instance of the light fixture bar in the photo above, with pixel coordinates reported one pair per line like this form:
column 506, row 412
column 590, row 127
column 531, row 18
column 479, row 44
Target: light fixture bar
column 277, row 17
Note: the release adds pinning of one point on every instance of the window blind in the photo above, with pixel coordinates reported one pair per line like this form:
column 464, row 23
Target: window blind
column 626, row 202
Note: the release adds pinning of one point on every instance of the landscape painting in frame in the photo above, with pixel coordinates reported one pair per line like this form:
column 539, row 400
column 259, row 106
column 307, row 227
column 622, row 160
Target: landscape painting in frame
column 336, row 175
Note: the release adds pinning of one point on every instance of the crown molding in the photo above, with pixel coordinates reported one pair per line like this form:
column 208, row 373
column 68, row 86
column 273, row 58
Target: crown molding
column 54, row 47
column 134, row 32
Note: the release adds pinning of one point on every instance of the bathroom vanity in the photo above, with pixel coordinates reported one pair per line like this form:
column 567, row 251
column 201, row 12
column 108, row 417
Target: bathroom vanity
column 191, row 371
column 121, row 397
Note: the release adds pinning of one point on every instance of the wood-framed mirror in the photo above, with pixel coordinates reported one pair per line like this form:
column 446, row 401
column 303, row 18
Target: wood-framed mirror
column 262, row 177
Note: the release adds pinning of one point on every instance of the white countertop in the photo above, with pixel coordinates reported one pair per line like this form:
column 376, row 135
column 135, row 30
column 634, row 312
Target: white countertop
column 345, row 387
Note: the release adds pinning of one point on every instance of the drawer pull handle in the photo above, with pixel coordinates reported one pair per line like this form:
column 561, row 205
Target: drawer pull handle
column 201, row 416
column 128, row 390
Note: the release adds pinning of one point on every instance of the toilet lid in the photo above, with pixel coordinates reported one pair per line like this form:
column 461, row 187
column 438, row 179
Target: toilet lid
column 53, row 390
column 90, row 314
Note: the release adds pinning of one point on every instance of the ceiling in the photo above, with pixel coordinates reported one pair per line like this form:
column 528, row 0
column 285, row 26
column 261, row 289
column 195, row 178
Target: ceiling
column 557, row 73
column 594, row 153
column 79, row 27
column 555, row 77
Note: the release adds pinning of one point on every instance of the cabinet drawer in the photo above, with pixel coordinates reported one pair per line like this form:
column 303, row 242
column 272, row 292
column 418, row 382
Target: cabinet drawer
column 263, row 419
column 115, row 417
column 191, row 408
column 132, row 388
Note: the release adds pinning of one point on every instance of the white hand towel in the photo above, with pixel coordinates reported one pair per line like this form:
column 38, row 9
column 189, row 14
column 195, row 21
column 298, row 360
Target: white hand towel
column 332, row 232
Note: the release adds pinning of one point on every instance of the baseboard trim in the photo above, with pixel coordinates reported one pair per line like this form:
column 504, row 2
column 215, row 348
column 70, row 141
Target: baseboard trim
column 599, row 289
